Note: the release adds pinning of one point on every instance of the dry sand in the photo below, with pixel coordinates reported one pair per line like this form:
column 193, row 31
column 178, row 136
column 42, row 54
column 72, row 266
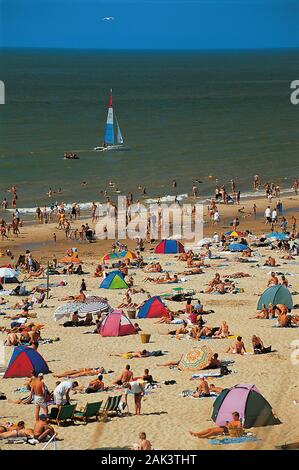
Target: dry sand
column 166, row 416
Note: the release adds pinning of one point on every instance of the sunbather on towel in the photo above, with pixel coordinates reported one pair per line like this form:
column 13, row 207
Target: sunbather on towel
column 5, row 427
column 202, row 390
column 80, row 372
column 234, row 424
column 238, row 347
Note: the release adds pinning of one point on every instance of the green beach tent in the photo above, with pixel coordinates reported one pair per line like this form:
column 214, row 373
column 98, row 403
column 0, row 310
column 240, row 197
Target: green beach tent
column 114, row 280
column 275, row 295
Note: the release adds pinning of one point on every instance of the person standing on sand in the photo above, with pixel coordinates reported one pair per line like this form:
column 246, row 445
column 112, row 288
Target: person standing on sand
column 54, row 237
column 138, row 390
column 38, row 393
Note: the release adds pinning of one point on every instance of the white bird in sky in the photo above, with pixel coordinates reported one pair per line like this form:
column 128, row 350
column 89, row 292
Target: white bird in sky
column 108, row 18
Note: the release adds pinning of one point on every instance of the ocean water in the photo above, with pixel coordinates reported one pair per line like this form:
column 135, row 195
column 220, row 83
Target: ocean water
column 185, row 116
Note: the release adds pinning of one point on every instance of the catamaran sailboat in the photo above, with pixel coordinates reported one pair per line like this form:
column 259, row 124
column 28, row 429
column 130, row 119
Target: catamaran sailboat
column 112, row 141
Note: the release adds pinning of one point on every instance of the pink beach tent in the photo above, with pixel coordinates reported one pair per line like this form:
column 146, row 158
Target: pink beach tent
column 117, row 324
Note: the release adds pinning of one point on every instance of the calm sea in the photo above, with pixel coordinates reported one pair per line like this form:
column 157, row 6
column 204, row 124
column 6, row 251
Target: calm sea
column 184, row 115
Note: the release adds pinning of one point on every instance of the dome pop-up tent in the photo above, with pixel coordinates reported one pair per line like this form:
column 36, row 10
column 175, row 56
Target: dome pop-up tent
column 169, row 247
column 248, row 401
column 114, row 280
column 276, row 295
column 153, row 308
column 24, row 361
column 117, row 324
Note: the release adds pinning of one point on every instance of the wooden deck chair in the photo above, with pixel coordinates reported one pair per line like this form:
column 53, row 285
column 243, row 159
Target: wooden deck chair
column 91, row 410
column 65, row 413
column 112, row 406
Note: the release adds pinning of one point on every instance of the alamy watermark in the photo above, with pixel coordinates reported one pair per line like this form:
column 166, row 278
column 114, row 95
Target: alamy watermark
column 2, row 92
column 2, row 353
column 157, row 220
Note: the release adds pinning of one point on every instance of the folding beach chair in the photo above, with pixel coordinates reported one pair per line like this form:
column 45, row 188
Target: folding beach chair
column 91, row 410
column 112, row 406
column 64, row 414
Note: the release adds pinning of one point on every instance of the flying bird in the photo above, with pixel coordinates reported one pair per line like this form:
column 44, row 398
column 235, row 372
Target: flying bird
column 108, row 18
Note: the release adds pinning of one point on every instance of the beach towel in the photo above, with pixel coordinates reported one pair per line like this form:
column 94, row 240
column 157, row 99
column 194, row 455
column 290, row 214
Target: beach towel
column 188, row 394
column 205, row 375
column 233, row 440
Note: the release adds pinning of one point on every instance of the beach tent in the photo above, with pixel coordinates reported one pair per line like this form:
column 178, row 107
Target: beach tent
column 275, row 295
column 196, row 359
column 169, row 247
column 24, row 361
column 248, row 401
column 153, row 308
column 278, row 235
column 117, row 324
column 114, row 280
column 130, row 255
column 8, row 275
column 237, row 247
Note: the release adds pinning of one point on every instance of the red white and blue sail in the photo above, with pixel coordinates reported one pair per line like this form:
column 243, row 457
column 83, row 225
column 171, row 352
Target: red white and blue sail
column 109, row 130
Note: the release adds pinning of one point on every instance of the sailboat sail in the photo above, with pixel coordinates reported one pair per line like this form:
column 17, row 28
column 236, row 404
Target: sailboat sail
column 109, row 131
column 119, row 137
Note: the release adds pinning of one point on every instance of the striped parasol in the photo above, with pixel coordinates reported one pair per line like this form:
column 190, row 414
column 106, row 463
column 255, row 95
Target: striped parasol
column 94, row 307
column 66, row 310
column 196, row 359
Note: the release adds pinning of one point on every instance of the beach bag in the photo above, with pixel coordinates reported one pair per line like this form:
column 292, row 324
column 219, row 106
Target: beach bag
column 224, row 370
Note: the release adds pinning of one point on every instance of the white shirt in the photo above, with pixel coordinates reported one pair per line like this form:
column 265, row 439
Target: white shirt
column 63, row 388
column 135, row 388
column 274, row 214
column 268, row 212
column 216, row 216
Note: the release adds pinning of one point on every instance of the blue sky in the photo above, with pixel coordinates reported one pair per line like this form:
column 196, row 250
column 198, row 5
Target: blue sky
column 150, row 24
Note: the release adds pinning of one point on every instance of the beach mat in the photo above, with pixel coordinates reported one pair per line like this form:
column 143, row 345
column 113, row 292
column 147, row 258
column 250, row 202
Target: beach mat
column 233, row 440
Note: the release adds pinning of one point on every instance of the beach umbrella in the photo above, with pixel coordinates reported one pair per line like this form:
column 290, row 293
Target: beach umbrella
column 277, row 235
column 94, row 298
column 66, row 310
column 109, row 256
column 233, row 233
column 94, row 307
column 237, row 247
column 205, row 241
column 8, row 273
column 275, row 295
column 196, row 359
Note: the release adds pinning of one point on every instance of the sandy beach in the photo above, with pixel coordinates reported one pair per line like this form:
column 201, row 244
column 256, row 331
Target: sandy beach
column 167, row 417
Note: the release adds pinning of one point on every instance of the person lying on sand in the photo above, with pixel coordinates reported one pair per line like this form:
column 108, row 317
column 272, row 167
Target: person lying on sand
column 153, row 268
column 169, row 319
column 258, row 345
column 75, row 298
column 5, row 427
column 218, row 431
column 237, row 275
column 132, row 354
column 165, row 279
column 35, row 274
column 238, row 347
column 215, row 389
column 24, row 432
column 192, row 264
column 191, row 272
column 80, row 372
